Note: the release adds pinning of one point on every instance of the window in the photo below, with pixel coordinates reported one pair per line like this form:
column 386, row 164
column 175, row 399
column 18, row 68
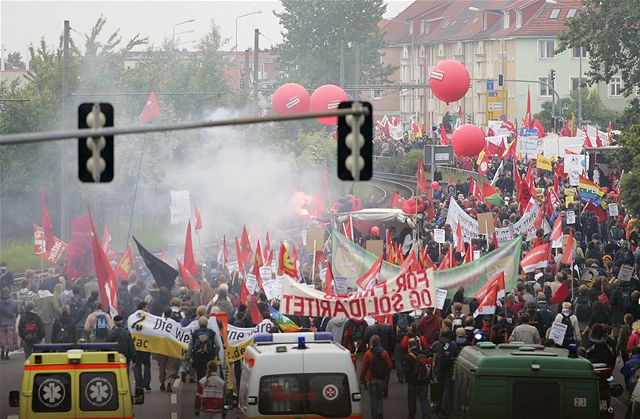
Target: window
column 376, row 94
column 575, row 81
column 576, row 51
column 554, row 14
column 410, row 22
column 546, row 49
column 571, row 13
column 51, row 392
column 615, row 86
column 281, row 395
column 423, row 24
column 544, row 89
column 523, row 408
column 98, row 391
column 328, row 395
column 518, row 19
column 484, row 21
column 506, row 18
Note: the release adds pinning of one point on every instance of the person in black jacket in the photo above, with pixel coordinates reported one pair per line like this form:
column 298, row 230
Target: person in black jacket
column 64, row 328
column 385, row 333
column 30, row 328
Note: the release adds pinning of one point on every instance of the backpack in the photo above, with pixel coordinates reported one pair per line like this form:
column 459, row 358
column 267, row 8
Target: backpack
column 379, row 368
column 446, row 356
column 101, row 327
column 456, row 323
column 64, row 334
column 616, row 233
column 583, row 307
column 635, row 376
column 203, row 342
column 625, row 298
column 31, row 334
column 424, row 365
column 568, row 334
column 76, row 310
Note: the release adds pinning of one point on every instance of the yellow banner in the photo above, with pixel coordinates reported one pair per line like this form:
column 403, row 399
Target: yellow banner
column 544, row 163
column 236, row 353
column 160, row 345
column 568, row 200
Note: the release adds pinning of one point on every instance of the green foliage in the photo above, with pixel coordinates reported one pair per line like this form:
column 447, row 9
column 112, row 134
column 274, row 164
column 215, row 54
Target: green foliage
column 628, row 158
column 609, row 32
column 592, row 109
column 20, row 256
column 630, row 193
column 405, row 165
column 14, row 59
column 313, row 29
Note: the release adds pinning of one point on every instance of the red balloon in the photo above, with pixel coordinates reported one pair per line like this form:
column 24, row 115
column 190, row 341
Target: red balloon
column 409, row 206
column 290, row 98
column 449, row 80
column 435, row 185
column 468, row 140
column 326, row 98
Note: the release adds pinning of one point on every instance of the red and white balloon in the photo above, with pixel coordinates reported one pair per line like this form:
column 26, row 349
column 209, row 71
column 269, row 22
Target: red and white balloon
column 326, row 98
column 468, row 141
column 449, row 80
column 290, row 98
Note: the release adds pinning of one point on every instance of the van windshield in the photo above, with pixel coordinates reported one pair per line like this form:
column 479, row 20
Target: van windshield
column 305, row 394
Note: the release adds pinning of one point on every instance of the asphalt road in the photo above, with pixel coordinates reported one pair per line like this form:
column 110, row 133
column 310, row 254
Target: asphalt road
column 179, row 404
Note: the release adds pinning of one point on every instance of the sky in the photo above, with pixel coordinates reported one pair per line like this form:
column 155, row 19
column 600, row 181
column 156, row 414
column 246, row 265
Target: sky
column 25, row 22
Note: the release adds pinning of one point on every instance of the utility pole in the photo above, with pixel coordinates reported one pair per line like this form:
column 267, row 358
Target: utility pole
column 64, row 146
column 356, row 94
column 580, row 92
column 342, row 63
column 256, row 52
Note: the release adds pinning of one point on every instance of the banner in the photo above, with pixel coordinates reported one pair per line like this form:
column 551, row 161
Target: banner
column 407, row 292
column 238, row 335
column 180, row 207
column 55, row 253
column 165, row 336
column 347, row 256
column 79, row 261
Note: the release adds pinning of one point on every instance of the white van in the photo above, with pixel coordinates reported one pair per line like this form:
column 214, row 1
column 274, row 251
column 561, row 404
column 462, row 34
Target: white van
column 298, row 374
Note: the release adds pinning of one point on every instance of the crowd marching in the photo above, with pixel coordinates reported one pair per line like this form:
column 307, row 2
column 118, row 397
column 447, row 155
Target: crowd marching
column 584, row 291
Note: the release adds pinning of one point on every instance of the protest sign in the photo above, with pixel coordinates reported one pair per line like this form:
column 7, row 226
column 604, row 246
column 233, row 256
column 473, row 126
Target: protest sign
column 376, row 247
column 265, row 272
column 251, row 282
column 571, row 217
column 340, row 285
column 613, row 209
column 441, row 296
column 409, row 291
column 438, row 235
column 557, row 333
column 569, row 201
column 180, row 207
column 233, row 266
column 485, row 223
column 271, row 288
column 625, row 273
column 315, row 239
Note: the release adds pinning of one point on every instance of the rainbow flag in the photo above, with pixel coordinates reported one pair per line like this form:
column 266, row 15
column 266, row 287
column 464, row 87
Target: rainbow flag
column 589, row 191
column 284, row 323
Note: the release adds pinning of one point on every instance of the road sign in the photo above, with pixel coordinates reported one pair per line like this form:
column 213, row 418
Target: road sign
column 490, row 84
column 495, row 103
column 443, row 154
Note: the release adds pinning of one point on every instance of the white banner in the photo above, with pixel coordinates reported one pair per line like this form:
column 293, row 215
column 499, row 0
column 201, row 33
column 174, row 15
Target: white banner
column 180, row 207
column 238, row 335
column 409, row 291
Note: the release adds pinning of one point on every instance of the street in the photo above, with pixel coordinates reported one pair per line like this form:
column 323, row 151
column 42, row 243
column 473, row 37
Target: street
column 179, row 404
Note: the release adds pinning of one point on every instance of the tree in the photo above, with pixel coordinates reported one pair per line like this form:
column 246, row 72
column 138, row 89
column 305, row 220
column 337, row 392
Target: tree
column 310, row 52
column 593, row 109
column 14, row 59
column 608, row 30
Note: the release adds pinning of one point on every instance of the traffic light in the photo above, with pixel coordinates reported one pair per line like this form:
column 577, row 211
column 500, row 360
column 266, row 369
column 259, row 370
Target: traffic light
column 500, row 79
column 552, row 75
column 468, row 118
column 95, row 152
column 355, row 132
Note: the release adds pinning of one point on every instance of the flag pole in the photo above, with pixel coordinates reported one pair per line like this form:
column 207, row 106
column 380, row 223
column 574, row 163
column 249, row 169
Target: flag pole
column 135, row 193
column 313, row 263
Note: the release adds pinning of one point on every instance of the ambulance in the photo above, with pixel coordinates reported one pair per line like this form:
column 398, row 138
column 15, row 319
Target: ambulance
column 86, row 380
column 298, row 375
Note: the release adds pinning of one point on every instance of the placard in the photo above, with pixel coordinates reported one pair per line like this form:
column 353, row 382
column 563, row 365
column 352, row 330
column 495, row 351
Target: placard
column 232, row 266
column 376, row 247
column 251, row 283
column 569, row 200
column 613, row 209
column 265, row 272
column 625, row 273
column 476, row 254
column 340, row 285
column 558, row 330
column 438, row 235
column 271, row 289
column 304, row 237
column 441, row 296
column 315, row 235
column 485, row 223
column 571, row 217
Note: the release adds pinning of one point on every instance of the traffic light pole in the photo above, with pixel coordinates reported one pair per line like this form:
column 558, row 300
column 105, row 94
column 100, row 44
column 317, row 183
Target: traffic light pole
column 64, row 147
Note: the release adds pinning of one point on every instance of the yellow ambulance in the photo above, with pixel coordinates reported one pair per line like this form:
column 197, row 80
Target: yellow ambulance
column 75, row 381
column 298, row 375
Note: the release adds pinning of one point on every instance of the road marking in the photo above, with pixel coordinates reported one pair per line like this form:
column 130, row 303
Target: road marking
column 174, row 399
column 13, row 417
column 174, row 415
column 177, row 383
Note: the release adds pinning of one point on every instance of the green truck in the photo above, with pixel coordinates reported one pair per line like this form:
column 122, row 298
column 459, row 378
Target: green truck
column 527, row 382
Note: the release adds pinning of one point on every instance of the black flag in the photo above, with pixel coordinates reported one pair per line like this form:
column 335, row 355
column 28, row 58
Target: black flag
column 163, row 274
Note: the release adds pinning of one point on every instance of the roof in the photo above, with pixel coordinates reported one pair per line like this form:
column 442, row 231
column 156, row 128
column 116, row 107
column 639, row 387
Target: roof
column 521, row 359
column 452, row 20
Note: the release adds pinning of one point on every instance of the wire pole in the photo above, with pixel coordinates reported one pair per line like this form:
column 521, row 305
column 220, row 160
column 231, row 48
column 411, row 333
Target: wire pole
column 64, row 147
column 135, row 194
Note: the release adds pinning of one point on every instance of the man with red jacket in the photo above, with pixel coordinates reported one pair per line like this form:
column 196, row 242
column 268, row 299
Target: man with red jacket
column 414, row 332
column 430, row 325
column 374, row 375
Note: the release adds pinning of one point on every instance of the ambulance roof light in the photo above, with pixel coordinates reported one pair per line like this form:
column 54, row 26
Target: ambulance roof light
column 64, row 347
column 263, row 338
column 320, row 336
column 292, row 337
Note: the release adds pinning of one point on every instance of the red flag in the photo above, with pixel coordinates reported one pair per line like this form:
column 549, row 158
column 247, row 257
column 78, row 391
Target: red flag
column 421, row 177
column 560, row 295
column 78, row 262
column 451, row 179
column 452, row 259
column 468, row 256
column 245, row 246
column 508, row 125
column 431, row 215
column 395, row 200
column 348, row 229
column 609, row 132
column 369, row 278
column 151, row 109
column 443, row 135
column 225, row 251
column 556, row 231
column 495, row 240
column 258, row 257
column 598, row 140
column 125, row 266
column 474, row 190
column 483, row 162
column 498, row 279
column 239, row 257
column 527, row 118
column 427, row 263
column 198, row 226
column 488, row 303
column 266, row 250
column 106, row 239
column 587, row 140
column 328, row 280
column 410, row 263
column 188, row 278
column 287, row 264
column 46, row 223
column 538, row 125
column 567, row 252
column 256, row 272
column 189, row 260
column 490, row 132
column 445, row 262
column 459, row 239
column 539, row 220
column 105, row 275
column 537, row 258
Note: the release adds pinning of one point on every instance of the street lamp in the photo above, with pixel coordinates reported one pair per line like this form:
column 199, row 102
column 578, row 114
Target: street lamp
column 257, row 12
column 173, row 32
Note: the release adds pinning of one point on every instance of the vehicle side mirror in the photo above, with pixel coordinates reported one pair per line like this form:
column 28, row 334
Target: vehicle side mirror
column 14, row 398
column 138, row 397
